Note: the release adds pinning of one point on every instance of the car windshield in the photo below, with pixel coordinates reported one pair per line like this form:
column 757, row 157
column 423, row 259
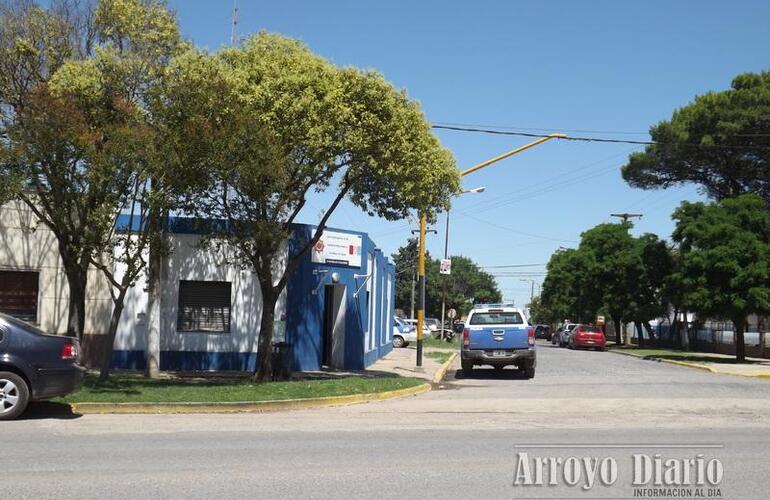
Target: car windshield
column 592, row 329
column 496, row 318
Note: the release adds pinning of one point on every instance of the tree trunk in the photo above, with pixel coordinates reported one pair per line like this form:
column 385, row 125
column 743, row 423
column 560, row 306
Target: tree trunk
column 653, row 337
column 106, row 362
column 639, row 333
column 618, row 335
column 264, row 369
column 77, row 279
column 740, row 347
column 152, row 353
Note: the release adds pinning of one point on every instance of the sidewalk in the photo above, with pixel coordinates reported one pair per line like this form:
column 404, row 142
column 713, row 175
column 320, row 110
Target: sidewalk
column 402, row 362
column 712, row 362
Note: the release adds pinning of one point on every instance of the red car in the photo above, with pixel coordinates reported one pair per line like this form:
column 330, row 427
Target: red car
column 587, row 336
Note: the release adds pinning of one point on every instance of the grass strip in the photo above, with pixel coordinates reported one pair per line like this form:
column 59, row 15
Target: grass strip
column 136, row 389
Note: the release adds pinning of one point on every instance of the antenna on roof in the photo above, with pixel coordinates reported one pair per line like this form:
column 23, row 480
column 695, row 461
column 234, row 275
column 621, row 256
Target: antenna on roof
column 234, row 29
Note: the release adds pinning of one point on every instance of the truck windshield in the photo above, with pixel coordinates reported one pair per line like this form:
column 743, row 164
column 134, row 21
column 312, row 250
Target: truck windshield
column 496, row 318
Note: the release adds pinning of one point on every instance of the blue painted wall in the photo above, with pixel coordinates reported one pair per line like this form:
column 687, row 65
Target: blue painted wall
column 304, row 311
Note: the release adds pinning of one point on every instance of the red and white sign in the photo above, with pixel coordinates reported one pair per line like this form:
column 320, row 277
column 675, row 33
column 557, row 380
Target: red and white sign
column 338, row 248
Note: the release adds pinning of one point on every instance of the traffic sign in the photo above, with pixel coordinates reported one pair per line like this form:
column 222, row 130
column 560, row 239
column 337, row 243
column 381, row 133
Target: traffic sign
column 446, row 266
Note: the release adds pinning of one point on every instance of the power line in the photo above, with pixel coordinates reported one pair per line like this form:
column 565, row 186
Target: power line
column 549, row 129
column 592, row 139
column 511, row 265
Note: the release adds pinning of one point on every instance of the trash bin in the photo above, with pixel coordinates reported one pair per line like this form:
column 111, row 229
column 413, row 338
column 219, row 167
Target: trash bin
column 281, row 361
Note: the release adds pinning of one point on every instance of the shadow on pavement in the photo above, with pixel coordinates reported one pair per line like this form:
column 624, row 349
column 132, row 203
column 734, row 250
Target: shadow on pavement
column 491, row 374
column 38, row 410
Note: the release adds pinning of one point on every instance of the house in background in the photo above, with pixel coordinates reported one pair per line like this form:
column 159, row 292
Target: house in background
column 337, row 309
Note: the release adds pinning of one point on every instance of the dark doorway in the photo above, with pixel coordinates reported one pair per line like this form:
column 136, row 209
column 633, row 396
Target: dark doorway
column 333, row 335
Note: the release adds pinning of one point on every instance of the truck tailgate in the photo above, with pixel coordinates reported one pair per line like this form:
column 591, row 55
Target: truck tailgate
column 499, row 337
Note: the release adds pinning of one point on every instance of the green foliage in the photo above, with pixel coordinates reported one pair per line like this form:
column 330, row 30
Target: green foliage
column 467, row 284
column 610, row 272
column 726, row 257
column 262, row 126
column 720, row 141
column 81, row 146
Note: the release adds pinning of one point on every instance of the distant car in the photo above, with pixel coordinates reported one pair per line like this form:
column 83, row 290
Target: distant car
column 565, row 333
column 34, row 366
column 543, row 332
column 403, row 333
column 588, row 336
column 426, row 333
column 432, row 324
column 498, row 335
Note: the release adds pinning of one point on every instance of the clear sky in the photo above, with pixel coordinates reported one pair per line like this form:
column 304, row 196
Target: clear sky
column 599, row 68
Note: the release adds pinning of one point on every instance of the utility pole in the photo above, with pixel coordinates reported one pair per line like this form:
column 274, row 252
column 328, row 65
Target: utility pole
column 626, row 216
column 423, row 222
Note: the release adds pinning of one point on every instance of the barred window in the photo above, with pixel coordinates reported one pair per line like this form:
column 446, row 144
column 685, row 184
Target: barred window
column 204, row 306
column 18, row 294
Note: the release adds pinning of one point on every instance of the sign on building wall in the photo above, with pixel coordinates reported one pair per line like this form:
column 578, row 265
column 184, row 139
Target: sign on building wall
column 338, row 248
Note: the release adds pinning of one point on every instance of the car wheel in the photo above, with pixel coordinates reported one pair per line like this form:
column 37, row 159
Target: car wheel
column 398, row 341
column 467, row 367
column 14, row 395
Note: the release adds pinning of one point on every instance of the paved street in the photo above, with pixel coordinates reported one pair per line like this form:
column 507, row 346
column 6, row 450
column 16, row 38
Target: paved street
column 457, row 442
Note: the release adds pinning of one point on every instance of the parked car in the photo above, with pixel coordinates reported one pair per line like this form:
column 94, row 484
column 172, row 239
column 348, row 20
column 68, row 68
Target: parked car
column 426, row 333
column 543, row 332
column 565, row 333
column 588, row 336
column 403, row 333
column 498, row 335
column 34, row 366
column 432, row 324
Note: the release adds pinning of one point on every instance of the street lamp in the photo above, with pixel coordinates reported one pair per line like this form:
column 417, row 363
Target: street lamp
column 446, row 255
column 424, row 223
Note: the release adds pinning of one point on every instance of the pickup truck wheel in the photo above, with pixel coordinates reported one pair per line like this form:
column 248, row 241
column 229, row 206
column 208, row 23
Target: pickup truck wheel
column 467, row 367
column 398, row 341
column 14, row 395
column 529, row 371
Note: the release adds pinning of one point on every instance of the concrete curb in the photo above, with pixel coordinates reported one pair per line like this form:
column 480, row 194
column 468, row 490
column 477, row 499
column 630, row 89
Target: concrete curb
column 246, row 406
column 690, row 364
column 441, row 373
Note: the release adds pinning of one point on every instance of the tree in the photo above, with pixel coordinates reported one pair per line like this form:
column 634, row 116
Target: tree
column 568, row 288
column 405, row 260
column 610, row 272
column 74, row 95
column 34, row 44
column 726, row 260
column 268, row 123
column 540, row 313
column 720, row 141
column 467, row 283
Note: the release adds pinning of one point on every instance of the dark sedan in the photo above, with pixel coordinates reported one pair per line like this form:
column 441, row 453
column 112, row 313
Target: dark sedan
column 34, row 366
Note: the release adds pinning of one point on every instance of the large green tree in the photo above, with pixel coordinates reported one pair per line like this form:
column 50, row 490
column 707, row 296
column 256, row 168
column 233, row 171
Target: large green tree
column 725, row 250
column 268, row 124
column 720, row 141
column 610, row 272
column 77, row 79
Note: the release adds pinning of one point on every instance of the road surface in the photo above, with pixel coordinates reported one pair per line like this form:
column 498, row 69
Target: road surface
column 464, row 440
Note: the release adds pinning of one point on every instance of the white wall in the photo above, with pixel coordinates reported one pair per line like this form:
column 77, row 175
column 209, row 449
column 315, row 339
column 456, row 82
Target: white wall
column 26, row 245
column 188, row 260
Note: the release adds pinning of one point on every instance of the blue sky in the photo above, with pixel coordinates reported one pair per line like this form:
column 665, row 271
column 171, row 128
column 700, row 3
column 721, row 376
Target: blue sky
column 607, row 67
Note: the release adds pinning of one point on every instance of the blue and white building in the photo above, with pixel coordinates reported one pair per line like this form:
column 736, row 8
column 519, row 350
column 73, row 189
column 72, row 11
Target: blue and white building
column 337, row 309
